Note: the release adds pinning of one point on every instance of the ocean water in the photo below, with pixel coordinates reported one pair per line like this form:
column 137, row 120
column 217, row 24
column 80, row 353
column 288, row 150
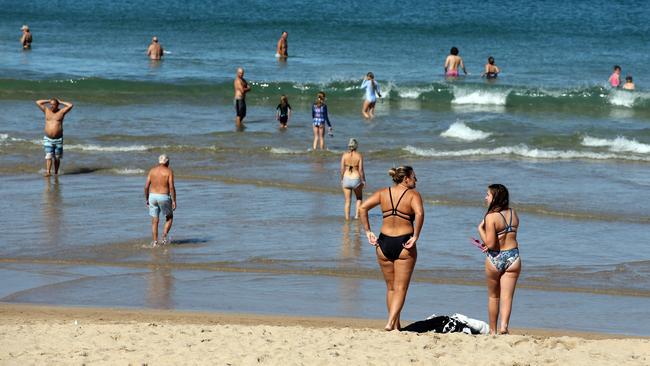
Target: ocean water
column 259, row 221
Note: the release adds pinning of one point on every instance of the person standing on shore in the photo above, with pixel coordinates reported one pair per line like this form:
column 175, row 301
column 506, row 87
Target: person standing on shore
column 155, row 50
column 353, row 177
column 53, row 139
column 281, row 50
column 372, row 92
column 498, row 231
column 241, row 88
column 160, row 197
column 26, row 38
column 453, row 62
column 403, row 216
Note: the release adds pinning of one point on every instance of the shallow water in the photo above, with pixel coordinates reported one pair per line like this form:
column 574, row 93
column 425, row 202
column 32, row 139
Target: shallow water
column 259, row 212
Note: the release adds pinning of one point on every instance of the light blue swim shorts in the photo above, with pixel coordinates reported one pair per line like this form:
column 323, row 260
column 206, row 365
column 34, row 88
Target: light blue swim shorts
column 160, row 203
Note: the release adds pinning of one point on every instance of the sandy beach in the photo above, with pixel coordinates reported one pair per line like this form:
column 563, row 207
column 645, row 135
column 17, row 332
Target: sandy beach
column 98, row 336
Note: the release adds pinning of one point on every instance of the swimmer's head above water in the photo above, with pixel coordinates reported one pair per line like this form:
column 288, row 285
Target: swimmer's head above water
column 454, row 51
column 491, row 60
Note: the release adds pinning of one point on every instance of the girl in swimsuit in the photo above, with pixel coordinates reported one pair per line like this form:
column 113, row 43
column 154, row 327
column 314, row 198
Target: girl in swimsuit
column 491, row 70
column 352, row 177
column 372, row 92
column 498, row 231
column 403, row 214
column 320, row 118
column 283, row 111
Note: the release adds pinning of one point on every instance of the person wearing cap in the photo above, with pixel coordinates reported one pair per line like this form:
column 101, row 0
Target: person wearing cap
column 353, row 177
column 53, row 139
column 155, row 50
column 26, row 39
column 160, row 197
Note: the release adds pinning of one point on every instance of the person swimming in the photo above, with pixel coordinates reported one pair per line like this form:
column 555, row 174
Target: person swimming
column 396, row 246
column 453, row 62
column 491, row 70
column 615, row 79
column 629, row 83
column 498, row 232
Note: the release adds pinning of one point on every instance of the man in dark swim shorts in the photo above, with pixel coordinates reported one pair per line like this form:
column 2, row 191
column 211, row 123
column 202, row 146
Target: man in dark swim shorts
column 241, row 88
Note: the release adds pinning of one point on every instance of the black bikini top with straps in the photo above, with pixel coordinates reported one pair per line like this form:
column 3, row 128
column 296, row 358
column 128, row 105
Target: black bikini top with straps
column 509, row 228
column 394, row 211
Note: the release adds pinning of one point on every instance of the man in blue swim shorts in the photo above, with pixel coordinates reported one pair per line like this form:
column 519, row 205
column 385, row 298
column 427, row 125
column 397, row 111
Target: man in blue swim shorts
column 160, row 197
column 53, row 140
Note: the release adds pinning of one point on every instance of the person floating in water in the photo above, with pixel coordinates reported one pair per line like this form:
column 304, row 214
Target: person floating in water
column 241, row 88
column 629, row 83
column 281, row 50
column 26, row 38
column 372, row 92
column 498, row 231
column 615, row 79
column 283, row 111
column 396, row 250
column 453, row 62
column 53, row 139
column 491, row 70
column 160, row 197
column 155, row 50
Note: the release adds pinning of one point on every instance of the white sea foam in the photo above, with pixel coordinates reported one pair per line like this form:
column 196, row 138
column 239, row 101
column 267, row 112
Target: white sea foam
column 479, row 96
column 128, row 171
column 622, row 98
column 619, row 144
column 522, row 151
column 459, row 130
column 109, row 148
column 283, row 150
column 413, row 92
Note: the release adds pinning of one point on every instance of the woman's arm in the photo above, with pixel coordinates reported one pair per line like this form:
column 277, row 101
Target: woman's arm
column 367, row 205
column 487, row 231
column 342, row 165
column 326, row 116
column 362, row 172
column 418, row 209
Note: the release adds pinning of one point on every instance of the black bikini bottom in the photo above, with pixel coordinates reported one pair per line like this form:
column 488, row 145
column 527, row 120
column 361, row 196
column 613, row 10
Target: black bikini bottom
column 392, row 246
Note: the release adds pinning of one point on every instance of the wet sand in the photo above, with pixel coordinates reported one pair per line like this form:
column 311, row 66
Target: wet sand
column 67, row 335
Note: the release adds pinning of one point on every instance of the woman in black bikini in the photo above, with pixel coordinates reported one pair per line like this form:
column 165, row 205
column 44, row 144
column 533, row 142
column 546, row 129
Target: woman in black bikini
column 403, row 214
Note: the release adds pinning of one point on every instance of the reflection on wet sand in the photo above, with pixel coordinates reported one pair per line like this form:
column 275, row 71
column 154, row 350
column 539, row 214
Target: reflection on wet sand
column 350, row 251
column 52, row 214
column 160, row 280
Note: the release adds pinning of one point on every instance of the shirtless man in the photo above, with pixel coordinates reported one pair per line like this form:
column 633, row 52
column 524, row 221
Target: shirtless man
column 53, row 140
column 155, row 50
column 452, row 63
column 241, row 88
column 160, row 196
column 281, row 49
column 26, row 39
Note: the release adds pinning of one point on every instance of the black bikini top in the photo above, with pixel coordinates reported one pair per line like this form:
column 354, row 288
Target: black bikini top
column 394, row 211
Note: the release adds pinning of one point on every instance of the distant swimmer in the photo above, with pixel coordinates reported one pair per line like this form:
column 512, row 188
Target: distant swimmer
column 282, row 48
column 160, row 197
column 403, row 213
column 53, row 139
column 453, row 62
column 241, row 88
column 491, row 70
column 155, row 50
column 283, row 111
column 353, row 178
column 372, row 92
column 26, row 38
column 319, row 117
column 615, row 78
column 629, row 84
column 498, row 231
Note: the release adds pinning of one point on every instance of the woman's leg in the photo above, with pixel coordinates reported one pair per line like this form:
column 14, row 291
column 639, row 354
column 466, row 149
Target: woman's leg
column 364, row 108
column 348, row 195
column 358, row 192
column 321, row 133
column 508, row 283
column 371, row 110
column 492, row 277
column 403, row 268
column 388, row 270
column 315, row 137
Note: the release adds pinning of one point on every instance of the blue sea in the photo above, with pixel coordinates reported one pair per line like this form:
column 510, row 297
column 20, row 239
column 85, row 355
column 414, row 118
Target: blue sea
column 259, row 225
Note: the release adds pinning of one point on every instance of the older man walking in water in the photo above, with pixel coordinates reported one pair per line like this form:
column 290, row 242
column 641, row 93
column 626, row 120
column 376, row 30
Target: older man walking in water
column 53, row 140
column 241, row 88
column 160, row 196
column 155, row 50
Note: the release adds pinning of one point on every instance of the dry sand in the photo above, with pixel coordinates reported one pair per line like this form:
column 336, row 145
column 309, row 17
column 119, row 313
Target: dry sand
column 45, row 335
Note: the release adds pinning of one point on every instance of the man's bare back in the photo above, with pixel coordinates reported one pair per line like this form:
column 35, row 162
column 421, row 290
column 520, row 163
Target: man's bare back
column 54, row 116
column 155, row 50
column 161, row 180
column 282, row 47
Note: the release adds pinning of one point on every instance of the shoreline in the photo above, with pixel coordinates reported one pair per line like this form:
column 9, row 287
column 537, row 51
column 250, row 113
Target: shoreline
column 34, row 334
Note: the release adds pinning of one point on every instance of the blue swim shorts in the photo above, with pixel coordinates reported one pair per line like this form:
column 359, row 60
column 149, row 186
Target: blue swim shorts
column 160, row 203
column 53, row 147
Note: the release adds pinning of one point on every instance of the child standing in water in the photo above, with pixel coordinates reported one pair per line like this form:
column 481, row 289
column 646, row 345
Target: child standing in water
column 320, row 117
column 491, row 70
column 283, row 111
column 629, row 84
column 615, row 79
